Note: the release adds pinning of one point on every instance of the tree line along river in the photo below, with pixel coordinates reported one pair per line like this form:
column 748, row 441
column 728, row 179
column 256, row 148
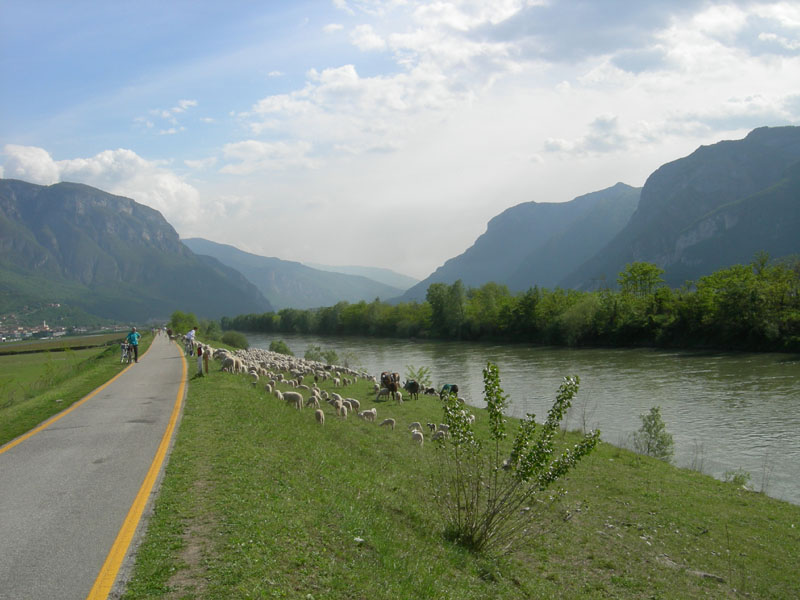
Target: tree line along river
column 727, row 412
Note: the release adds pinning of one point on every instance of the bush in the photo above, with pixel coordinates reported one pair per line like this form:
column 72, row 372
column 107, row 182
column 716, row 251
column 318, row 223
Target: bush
column 652, row 439
column 422, row 375
column 486, row 494
column 316, row 353
column 280, row 347
column 235, row 339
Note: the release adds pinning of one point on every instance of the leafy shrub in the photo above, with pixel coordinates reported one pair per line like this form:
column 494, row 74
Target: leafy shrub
column 318, row 354
column 739, row 477
column 235, row 339
column 181, row 322
column 652, row 439
column 422, row 375
column 486, row 494
column 280, row 347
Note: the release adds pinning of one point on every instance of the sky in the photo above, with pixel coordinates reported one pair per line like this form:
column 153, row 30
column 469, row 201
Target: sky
column 378, row 133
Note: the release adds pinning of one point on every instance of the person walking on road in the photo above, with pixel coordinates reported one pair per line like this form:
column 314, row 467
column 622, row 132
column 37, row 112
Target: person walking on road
column 133, row 340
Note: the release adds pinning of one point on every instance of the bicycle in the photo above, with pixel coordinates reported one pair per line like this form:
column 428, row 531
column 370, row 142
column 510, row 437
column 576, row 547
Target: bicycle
column 127, row 352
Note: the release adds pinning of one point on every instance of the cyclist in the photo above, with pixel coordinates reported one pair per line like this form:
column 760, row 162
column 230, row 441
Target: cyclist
column 133, row 340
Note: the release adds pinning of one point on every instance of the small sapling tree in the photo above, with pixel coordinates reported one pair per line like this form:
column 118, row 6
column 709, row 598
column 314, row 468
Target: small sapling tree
column 484, row 487
column 652, row 439
column 421, row 375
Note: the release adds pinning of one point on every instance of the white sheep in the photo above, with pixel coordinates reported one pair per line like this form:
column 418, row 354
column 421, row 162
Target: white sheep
column 294, row 398
column 343, row 411
column 415, row 425
column 320, row 416
column 268, row 388
column 438, row 435
column 382, row 392
column 278, row 394
column 389, row 422
column 313, row 401
column 369, row 415
column 355, row 404
column 416, row 436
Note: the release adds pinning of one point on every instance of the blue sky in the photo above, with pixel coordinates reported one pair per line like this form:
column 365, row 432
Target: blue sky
column 378, row 133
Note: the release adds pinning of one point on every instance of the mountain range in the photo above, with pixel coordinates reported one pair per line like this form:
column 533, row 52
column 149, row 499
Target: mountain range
column 537, row 243
column 107, row 255
column 288, row 284
column 717, row 207
column 714, row 208
column 112, row 257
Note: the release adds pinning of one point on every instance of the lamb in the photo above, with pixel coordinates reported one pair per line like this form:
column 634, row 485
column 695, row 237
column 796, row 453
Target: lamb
column 228, row 364
column 443, row 427
column 278, row 394
column 431, row 426
column 398, row 396
column 268, row 388
column 295, row 398
column 415, row 425
column 320, row 416
column 416, row 436
column 369, row 415
column 439, row 435
column 355, row 404
column 389, row 422
column 313, row 401
column 343, row 411
column 382, row 392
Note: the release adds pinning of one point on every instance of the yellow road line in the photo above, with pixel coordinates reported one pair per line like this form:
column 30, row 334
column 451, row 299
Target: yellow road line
column 108, row 572
column 65, row 412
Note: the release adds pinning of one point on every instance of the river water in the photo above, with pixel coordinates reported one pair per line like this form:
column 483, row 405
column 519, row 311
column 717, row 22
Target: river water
column 727, row 412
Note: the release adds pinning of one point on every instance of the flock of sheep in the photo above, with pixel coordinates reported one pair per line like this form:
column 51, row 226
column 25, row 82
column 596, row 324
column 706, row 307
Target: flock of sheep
column 303, row 376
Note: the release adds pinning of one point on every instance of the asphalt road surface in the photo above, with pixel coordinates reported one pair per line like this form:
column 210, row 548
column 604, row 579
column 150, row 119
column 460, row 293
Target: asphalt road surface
column 66, row 491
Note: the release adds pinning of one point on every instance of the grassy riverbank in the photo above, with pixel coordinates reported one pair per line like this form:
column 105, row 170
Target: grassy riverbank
column 259, row 502
column 36, row 386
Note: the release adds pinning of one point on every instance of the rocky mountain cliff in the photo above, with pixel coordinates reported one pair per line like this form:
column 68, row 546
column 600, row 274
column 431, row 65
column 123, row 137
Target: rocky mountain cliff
column 711, row 209
column 108, row 255
column 288, row 284
column 537, row 243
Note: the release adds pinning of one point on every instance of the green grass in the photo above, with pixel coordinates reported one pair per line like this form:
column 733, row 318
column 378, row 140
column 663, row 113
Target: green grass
column 259, row 501
column 34, row 387
column 62, row 343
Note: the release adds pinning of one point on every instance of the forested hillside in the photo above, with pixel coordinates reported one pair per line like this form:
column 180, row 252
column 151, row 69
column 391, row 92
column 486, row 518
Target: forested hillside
column 107, row 255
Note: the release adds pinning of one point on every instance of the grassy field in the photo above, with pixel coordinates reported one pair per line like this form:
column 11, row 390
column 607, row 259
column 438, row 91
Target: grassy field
column 259, row 501
column 61, row 343
column 34, row 387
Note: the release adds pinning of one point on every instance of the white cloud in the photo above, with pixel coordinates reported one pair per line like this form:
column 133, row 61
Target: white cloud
column 332, row 27
column 251, row 156
column 204, row 163
column 120, row 172
column 30, row 164
column 183, row 105
column 365, row 39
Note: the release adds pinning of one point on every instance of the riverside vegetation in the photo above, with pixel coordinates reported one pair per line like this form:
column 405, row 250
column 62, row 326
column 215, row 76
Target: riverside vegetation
column 259, row 501
column 743, row 307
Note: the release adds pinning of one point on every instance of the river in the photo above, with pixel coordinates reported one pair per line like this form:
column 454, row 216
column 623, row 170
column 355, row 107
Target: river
column 727, row 412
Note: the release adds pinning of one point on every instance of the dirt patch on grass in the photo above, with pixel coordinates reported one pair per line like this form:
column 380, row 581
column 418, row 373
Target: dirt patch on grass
column 191, row 577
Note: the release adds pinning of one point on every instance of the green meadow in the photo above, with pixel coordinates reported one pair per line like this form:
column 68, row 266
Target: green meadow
column 37, row 385
column 260, row 501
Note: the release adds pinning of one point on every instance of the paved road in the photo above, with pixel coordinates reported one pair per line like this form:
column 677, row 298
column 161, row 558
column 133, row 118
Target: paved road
column 65, row 492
